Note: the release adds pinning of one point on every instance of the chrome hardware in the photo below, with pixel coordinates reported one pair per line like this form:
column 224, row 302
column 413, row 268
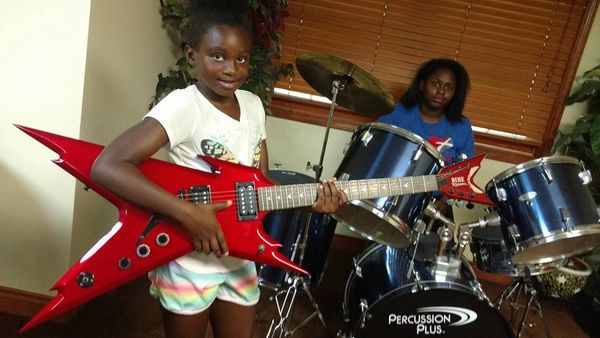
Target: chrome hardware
column 501, row 193
column 547, row 173
column 528, row 196
column 586, row 177
column 514, row 232
column 417, row 154
column 85, row 279
column 566, row 218
column 261, row 249
column 366, row 137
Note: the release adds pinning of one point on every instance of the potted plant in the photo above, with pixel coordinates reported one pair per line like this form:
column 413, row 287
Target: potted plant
column 583, row 142
column 266, row 17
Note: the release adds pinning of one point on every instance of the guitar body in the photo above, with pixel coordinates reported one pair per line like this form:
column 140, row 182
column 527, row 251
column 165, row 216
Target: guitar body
column 120, row 256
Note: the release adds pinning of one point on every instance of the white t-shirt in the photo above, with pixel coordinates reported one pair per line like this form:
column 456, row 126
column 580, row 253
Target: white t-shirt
column 195, row 126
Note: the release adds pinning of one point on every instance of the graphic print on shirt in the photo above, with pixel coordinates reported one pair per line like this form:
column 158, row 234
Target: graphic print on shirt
column 219, row 151
column 443, row 145
column 439, row 143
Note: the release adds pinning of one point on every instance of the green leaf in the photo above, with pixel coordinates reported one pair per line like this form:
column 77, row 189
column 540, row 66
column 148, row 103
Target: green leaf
column 587, row 89
column 594, row 72
column 595, row 135
column 562, row 140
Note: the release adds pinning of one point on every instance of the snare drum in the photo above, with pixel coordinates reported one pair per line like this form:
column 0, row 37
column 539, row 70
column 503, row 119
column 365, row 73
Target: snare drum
column 379, row 150
column 288, row 228
column 490, row 254
column 547, row 211
column 388, row 295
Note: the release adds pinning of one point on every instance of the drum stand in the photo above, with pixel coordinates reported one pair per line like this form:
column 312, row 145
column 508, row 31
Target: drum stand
column 522, row 284
column 285, row 299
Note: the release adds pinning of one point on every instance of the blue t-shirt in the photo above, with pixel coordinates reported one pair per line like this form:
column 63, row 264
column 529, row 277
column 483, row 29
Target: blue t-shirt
column 451, row 139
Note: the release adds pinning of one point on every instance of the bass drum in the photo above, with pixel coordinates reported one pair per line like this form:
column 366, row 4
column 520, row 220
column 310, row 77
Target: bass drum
column 288, row 228
column 384, row 297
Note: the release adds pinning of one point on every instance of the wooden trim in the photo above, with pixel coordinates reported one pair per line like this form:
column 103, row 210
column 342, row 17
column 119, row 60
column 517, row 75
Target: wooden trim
column 317, row 114
column 568, row 78
column 27, row 304
column 355, row 246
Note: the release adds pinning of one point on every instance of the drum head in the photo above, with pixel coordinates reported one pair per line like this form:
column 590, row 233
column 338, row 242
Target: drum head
column 433, row 312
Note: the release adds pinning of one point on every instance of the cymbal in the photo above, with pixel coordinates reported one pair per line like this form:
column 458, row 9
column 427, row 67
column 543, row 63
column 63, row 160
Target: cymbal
column 360, row 91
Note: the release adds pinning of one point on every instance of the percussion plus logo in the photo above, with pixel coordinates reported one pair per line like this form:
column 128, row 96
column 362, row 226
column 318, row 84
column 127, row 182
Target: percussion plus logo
column 433, row 320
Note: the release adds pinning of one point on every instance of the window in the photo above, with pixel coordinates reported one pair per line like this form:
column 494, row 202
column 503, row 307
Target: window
column 521, row 56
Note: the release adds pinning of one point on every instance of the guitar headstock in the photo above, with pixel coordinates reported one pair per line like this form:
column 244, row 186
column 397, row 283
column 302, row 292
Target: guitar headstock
column 456, row 181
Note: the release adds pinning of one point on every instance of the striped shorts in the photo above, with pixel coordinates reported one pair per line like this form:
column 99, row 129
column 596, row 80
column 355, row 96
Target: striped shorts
column 185, row 292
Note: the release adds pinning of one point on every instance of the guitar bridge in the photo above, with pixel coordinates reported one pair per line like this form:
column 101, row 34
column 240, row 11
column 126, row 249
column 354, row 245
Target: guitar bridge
column 245, row 195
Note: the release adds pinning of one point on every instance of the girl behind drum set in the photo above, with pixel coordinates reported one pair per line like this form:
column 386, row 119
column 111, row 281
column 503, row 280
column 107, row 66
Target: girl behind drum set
column 432, row 107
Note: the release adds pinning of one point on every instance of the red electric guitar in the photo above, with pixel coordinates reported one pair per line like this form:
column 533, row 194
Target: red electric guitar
column 142, row 240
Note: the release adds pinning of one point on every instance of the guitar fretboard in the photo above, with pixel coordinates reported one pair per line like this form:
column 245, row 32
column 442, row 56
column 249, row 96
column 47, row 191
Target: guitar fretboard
column 302, row 195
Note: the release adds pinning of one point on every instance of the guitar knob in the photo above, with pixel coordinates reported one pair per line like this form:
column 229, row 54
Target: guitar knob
column 124, row 263
column 143, row 251
column 162, row 239
column 85, row 279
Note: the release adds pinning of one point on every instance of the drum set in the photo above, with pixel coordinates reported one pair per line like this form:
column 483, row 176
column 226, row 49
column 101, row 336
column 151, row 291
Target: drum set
column 403, row 285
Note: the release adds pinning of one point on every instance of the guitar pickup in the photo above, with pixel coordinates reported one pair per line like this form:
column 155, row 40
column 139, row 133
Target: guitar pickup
column 199, row 194
column 245, row 195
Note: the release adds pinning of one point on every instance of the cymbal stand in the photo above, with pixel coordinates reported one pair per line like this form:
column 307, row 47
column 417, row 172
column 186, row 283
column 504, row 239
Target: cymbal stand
column 522, row 285
column 285, row 299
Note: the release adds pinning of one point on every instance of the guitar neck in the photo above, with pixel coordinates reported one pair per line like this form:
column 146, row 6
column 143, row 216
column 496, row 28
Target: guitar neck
column 302, row 195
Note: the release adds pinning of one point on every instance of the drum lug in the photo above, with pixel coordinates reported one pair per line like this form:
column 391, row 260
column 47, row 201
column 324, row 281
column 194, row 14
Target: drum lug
column 366, row 137
column 586, row 177
column 501, row 194
column 364, row 307
column 547, row 173
column 513, row 230
column 528, row 197
column 566, row 218
column 357, row 268
column 417, row 154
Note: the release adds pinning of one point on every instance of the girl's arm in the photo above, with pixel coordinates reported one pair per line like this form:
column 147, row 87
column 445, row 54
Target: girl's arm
column 116, row 168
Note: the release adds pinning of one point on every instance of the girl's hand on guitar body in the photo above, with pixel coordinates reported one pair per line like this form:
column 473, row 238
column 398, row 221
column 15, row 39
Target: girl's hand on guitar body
column 206, row 231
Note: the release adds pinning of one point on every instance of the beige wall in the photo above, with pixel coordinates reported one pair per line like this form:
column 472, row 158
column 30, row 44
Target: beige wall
column 57, row 78
column 42, row 65
column 127, row 48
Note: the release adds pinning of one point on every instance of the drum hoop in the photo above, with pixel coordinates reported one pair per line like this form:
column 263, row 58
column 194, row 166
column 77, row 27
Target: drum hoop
column 391, row 219
column 578, row 231
column 406, row 134
column 529, row 165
